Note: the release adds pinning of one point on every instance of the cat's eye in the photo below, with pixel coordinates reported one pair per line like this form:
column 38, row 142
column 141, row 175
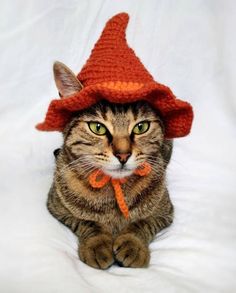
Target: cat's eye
column 141, row 127
column 97, row 128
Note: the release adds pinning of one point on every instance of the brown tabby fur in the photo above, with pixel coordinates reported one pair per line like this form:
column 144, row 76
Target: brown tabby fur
column 104, row 234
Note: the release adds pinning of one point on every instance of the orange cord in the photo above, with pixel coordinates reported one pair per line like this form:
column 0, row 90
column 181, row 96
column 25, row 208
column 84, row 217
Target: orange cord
column 98, row 180
column 93, row 179
column 120, row 197
column 143, row 169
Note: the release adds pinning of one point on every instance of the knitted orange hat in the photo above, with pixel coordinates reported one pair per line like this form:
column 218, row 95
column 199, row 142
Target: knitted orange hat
column 113, row 72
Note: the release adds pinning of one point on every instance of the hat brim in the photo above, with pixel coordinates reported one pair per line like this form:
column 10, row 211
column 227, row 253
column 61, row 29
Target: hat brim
column 177, row 115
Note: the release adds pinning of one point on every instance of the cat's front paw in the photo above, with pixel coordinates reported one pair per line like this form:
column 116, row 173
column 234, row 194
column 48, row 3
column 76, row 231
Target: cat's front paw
column 97, row 251
column 130, row 251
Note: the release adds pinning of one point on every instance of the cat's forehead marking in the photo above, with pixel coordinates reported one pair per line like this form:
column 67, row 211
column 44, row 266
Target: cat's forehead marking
column 117, row 121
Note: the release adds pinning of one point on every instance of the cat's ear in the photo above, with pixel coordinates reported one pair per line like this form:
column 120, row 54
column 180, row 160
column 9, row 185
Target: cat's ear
column 66, row 81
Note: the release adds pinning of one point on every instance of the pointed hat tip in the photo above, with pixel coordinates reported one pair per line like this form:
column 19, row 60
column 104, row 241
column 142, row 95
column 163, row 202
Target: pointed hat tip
column 121, row 15
column 120, row 18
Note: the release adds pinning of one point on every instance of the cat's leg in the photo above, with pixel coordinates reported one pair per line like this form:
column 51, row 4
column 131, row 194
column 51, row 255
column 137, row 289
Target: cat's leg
column 95, row 248
column 130, row 248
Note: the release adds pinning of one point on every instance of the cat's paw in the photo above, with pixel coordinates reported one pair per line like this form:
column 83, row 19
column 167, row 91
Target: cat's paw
column 130, row 251
column 97, row 251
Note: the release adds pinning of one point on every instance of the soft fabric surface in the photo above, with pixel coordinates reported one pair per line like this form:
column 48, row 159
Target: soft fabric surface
column 187, row 45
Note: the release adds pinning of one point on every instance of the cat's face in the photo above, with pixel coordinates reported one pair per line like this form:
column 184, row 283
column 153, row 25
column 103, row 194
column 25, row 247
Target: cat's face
column 114, row 138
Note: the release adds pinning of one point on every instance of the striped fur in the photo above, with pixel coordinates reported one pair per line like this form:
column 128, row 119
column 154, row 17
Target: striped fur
column 92, row 214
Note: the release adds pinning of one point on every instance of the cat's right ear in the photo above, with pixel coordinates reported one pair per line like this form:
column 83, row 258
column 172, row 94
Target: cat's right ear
column 66, row 81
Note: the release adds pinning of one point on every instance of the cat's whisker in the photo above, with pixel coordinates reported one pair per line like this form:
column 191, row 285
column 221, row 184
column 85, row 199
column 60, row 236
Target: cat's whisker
column 78, row 162
column 157, row 168
column 85, row 169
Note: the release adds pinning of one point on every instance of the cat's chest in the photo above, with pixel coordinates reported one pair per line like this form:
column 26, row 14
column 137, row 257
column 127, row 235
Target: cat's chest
column 101, row 204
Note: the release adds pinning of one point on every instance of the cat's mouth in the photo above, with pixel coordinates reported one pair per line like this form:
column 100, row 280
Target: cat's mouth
column 118, row 172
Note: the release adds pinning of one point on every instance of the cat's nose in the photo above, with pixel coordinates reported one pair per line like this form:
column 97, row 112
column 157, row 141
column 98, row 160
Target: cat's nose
column 123, row 158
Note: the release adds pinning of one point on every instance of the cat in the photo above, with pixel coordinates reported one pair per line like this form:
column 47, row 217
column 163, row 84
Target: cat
column 115, row 138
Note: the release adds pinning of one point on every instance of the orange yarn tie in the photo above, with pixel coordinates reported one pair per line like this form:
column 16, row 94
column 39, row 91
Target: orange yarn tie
column 98, row 180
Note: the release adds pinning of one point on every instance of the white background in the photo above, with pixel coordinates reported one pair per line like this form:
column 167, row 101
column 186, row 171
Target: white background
column 187, row 45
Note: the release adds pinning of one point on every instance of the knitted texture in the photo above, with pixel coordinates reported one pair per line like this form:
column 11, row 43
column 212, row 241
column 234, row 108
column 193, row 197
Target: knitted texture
column 112, row 59
column 113, row 72
column 98, row 180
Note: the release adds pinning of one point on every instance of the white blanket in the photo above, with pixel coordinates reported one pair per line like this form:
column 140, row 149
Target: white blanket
column 187, row 45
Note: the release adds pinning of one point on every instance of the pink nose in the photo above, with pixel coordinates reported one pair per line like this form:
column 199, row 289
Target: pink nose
column 123, row 158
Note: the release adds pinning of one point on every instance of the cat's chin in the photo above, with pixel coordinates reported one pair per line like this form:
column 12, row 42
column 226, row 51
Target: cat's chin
column 118, row 174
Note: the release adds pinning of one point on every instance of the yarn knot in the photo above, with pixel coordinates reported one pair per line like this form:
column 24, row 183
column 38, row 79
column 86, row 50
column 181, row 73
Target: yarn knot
column 99, row 179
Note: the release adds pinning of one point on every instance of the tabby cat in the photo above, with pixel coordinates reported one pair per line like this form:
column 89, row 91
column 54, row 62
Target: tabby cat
column 116, row 139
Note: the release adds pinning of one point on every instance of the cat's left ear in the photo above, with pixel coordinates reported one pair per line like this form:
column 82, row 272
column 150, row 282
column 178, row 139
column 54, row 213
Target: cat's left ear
column 66, row 81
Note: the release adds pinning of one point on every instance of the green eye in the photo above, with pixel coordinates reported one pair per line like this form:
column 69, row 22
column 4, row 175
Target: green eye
column 141, row 127
column 97, row 128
